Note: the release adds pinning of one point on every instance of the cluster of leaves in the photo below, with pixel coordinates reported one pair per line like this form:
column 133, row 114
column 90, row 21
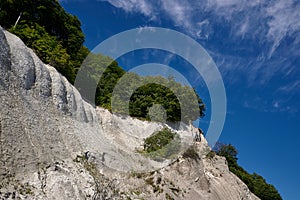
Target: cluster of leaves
column 43, row 25
column 256, row 183
column 147, row 95
column 179, row 102
column 158, row 140
column 136, row 95
column 162, row 144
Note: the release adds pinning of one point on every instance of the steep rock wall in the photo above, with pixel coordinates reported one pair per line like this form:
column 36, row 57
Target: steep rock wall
column 54, row 145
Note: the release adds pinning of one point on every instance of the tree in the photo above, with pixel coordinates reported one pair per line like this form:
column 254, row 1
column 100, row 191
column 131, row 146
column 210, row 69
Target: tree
column 227, row 151
column 256, row 183
column 49, row 30
column 47, row 47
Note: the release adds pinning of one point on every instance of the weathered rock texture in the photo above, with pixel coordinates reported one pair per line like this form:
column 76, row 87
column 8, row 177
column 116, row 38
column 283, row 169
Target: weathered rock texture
column 54, row 145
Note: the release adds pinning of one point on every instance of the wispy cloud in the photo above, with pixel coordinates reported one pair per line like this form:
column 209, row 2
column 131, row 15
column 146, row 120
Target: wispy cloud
column 262, row 39
column 284, row 21
column 142, row 6
column 180, row 12
column 295, row 86
column 263, row 20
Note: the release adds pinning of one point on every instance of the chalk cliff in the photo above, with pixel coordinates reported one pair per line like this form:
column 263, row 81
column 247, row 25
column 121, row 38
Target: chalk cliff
column 54, row 145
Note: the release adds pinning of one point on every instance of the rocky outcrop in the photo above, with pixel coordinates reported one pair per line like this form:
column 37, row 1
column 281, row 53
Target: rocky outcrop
column 54, row 145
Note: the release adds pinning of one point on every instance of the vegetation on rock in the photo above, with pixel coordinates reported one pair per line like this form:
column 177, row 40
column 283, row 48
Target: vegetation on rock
column 43, row 25
column 136, row 95
column 163, row 144
column 256, row 183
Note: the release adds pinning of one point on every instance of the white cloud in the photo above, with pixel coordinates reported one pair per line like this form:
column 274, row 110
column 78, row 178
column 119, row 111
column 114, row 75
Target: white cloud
column 261, row 19
column 276, row 104
column 265, row 24
column 244, row 27
column 265, row 20
column 295, row 86
column 203, row 29
column 285, row 21
column 141, row 6
column 226, row 8
column 178, row 11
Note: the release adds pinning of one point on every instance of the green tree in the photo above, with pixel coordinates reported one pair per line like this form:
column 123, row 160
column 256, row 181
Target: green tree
column 141, row 92
column 47, row 47
column 256, row 183
column 49, row 30
column 227, row 151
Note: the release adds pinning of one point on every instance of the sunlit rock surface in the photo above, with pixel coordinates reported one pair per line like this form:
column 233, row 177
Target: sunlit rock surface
column 54, row 145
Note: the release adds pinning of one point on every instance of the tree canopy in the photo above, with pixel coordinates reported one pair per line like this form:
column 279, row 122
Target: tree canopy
column 43, row 25
column 136, row 94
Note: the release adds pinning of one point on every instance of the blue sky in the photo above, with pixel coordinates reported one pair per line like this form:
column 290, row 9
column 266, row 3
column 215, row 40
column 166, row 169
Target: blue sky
column 256, row 46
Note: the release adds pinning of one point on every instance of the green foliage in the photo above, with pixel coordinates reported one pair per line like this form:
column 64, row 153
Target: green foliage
column 227, row 151
column 158, row 140
column 107, row 83
column 175, row 98
column 47, row 47
column 52, row 33
column 161, row 145
column 256, row 183
column 140, row 96
column 157, row 113
column 48, row 14
column 147, row 95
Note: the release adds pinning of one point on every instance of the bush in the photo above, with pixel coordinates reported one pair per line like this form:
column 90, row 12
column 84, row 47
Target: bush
column 158, row 140
column 164, row 144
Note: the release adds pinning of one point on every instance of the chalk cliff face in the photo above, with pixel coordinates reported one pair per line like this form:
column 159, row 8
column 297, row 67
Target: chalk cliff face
column 54, row 145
